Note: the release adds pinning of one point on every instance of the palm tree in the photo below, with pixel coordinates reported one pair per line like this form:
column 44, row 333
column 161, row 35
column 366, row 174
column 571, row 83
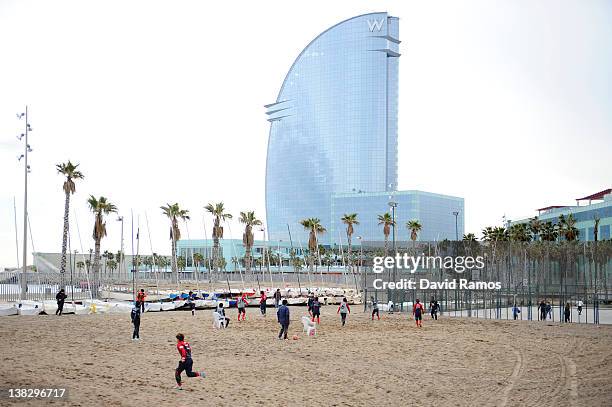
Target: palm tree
column 218, row 212
column 197, row 260
column 349, row 220
column 80, row 266
column 249, row 219
column 549, row 232
column 387, row 221
column 100, row 207
column 415, row 227
column 314, row 226
column 181, row 263
column 519, row 232
column 71, row 173
column 120, row 259
column 535, row 226
column 112, row 265
column 496, row 234
column 470, row 237
column 567, row 227
column 175, row 213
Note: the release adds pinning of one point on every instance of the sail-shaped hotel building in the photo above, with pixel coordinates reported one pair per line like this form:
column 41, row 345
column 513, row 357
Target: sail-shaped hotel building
column 333, row 141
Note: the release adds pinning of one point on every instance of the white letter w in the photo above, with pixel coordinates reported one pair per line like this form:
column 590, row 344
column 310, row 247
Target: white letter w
column 375, row 24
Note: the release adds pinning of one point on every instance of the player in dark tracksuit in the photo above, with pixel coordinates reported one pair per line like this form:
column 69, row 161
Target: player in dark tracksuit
column 191, row 302
column 315, row 309
column 186, row 363
column 262, row 302
column 136, row 321
column 283, row 319
column 309, row 303
column 375, row 309
column 60, row 298
column 434, row 309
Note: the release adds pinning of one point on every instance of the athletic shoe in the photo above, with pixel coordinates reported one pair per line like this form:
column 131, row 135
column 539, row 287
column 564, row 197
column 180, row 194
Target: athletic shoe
column 178, row 387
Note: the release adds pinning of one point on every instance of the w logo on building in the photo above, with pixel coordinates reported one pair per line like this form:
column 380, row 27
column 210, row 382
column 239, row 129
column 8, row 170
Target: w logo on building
column 376, row 24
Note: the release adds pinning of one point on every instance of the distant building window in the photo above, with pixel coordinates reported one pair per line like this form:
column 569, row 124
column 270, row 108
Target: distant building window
column 604, row 232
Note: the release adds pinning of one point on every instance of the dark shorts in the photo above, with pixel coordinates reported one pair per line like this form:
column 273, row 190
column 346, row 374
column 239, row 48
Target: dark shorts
column 418, row 316
column 243, row 310
column 316, row 312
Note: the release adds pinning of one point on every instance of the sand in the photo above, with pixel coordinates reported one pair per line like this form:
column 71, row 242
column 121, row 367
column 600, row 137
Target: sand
column 451, row 362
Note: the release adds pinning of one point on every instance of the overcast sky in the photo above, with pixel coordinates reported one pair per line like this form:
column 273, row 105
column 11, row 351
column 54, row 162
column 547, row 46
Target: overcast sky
column 505, row 103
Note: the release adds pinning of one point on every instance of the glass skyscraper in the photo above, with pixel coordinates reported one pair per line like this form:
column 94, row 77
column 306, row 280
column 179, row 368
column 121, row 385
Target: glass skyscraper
column 333, row 127
column 334, row 123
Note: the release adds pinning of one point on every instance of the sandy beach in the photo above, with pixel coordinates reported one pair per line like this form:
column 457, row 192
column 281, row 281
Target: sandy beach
column 451, row 362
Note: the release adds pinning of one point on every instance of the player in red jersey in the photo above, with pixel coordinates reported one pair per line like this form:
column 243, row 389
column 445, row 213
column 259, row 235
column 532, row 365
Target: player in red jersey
column 186, row 363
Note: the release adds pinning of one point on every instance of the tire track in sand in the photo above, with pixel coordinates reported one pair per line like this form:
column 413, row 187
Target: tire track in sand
column 516, row 373
column 571, row 381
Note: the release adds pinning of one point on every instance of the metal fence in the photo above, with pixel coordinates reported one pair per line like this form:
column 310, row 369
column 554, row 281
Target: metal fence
column 561, row 274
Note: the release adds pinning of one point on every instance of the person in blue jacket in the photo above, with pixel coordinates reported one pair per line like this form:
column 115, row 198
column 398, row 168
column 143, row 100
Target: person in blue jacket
column 283, row 320
column 515, row 312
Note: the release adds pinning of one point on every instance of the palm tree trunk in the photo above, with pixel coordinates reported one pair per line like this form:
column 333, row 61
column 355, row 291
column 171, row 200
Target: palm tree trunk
column 216, row 253
column 350, row 258
column 65, row 236
column 174, row 264
column 386, row 245
column 247, row 259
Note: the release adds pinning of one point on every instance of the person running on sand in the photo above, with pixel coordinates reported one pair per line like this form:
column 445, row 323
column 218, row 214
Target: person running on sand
column 417, row 311
column 141, row 297
column 435, row 308
column 568, row 312
column 60, row 298
column 343, row 310
column 515, row 312
column 542, row 308
column 277, row 298
column 191, row 302
column 221, row 311
column 310, row 301
column 283, row 319
column 135, row 315
column 390, row 307
column 262, row 303
column 241, row 304
column 375, row 309
column 316, row 310
column 186, row 363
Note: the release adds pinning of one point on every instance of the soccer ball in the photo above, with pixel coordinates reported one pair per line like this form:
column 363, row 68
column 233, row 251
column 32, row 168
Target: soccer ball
column 295, row 337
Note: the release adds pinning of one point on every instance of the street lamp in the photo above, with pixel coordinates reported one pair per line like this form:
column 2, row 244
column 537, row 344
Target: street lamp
column 120, row 219
column 393, row 205
column 72, row 264
column 26, row 170
column 456, row 213
column 264, row 256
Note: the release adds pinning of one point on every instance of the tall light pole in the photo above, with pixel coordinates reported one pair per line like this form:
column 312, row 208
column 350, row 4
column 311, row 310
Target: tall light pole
column 265, row 257
column 393, row 205
column 26, row 170
column 456, row 213
column 120, row 219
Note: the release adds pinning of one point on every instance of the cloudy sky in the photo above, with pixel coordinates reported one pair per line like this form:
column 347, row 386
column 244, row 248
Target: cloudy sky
column 505, row 103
